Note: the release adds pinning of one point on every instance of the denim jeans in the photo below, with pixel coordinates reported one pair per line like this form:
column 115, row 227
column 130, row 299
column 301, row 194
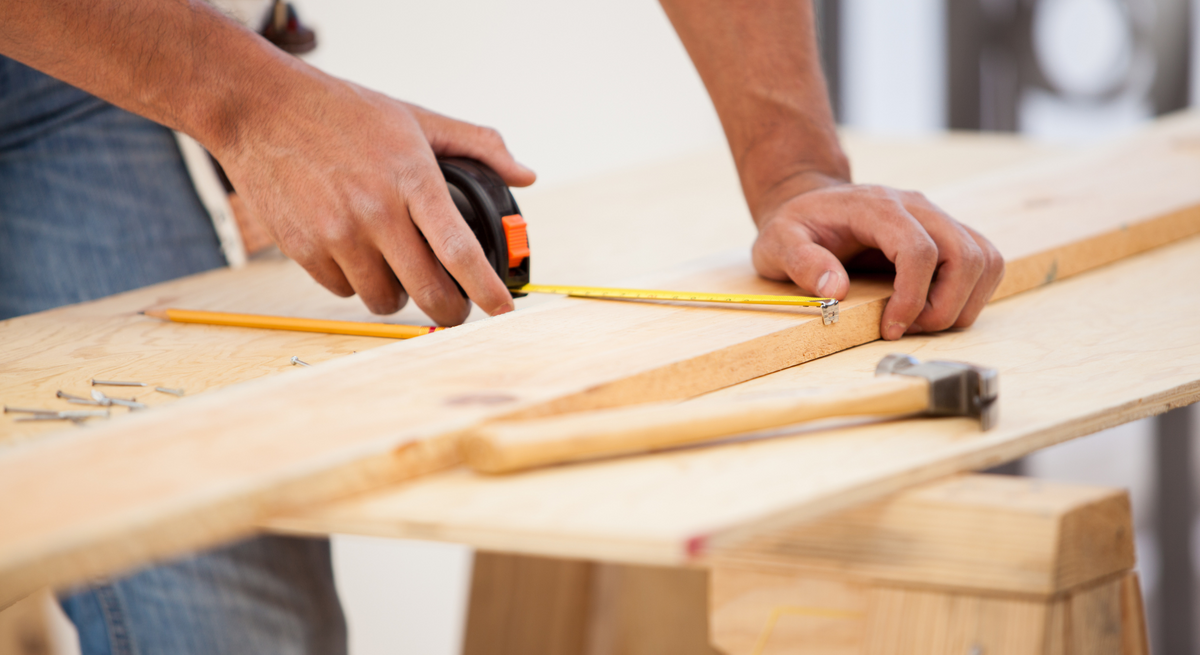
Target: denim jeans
column 94, row 201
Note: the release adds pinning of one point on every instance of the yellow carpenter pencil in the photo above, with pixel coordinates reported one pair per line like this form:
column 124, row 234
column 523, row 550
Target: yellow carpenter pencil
column 296, row 324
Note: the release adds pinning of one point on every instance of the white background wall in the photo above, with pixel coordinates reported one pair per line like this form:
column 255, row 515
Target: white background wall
column 575, row 87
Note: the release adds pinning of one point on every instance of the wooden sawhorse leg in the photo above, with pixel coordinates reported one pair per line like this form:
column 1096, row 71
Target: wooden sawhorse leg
column 973, row 565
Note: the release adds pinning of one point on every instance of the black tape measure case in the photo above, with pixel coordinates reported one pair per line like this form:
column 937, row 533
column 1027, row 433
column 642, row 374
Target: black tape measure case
column 490, row 210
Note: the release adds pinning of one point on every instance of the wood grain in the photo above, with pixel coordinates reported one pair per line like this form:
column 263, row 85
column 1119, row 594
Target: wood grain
column 209, row 468
column 1119, row 364
column 993, row 533
column 972, row 563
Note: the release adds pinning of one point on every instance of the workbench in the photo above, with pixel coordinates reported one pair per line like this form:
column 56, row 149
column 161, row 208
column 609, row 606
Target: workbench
column 868, row 538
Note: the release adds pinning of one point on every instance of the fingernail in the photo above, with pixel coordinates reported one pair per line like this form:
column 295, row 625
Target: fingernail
column 895, row 330
column 525, row 168
column 914, row 329
column 826, row 284
column 504, row 309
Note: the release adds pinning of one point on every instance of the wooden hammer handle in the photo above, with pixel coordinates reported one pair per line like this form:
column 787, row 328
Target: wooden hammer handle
column 505, row 446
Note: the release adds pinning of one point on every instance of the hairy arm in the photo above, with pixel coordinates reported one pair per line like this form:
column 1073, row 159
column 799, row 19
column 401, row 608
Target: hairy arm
column 759, row 62
column 345, row 179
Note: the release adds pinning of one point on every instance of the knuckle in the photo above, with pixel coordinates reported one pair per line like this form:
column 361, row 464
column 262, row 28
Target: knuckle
column 490, row 136
column 936, row 321
column 384, row 305
column 924, row 253
column 454, row 249
column 429, row 295
column 973, row 259
column 995, row 261
column 337, row 234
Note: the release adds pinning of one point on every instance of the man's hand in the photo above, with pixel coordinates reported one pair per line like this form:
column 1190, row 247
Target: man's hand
column 344, row 179
column 760, row 64
column 945, row 271
column 347, row 183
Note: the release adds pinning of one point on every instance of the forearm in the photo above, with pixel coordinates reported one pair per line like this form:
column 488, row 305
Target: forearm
column 178, row 62
column 760, row 63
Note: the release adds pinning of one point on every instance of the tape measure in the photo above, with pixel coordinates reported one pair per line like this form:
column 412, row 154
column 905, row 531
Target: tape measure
column 490, row 210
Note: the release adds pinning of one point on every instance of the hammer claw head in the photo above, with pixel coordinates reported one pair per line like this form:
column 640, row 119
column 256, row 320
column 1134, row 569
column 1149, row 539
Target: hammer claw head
column 894, row 363
column 955, row 388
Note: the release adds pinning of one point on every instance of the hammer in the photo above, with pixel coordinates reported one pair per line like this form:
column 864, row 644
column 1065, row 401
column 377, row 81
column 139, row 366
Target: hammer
column 903, row 385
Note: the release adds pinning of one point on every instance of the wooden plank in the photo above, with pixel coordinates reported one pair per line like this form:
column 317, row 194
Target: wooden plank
column 758, row 613
column 528, row 606
column 662, row 203
column 1039, row 215
column 818, row 586
column 208, row 468
column 25, row 627
column 648, row 610
column 988, row 532
column 523, row 605
column 67, row 347
column 1121, row 362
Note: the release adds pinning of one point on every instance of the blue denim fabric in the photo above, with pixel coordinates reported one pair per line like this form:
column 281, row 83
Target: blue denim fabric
column 266, row 595
column 94, row 201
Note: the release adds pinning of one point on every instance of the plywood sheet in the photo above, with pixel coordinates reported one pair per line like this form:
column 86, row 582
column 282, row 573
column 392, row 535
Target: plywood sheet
column 1074, row 358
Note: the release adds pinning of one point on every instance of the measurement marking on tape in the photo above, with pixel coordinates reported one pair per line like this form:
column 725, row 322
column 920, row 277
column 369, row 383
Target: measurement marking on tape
column 828, row 306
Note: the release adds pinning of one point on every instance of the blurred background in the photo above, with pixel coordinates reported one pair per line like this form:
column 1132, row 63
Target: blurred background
column 581, row 88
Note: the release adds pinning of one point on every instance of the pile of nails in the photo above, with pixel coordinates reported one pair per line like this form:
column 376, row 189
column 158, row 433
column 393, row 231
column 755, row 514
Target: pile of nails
column 99, row 398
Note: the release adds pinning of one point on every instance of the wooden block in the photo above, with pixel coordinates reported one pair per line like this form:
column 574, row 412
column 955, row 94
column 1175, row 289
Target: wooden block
column 976, row 564
column 990, row 532
column 528, row 606
column 542, row 606
column 209, row 469
column 649, row 610
column 759, row 613
column 29, row 627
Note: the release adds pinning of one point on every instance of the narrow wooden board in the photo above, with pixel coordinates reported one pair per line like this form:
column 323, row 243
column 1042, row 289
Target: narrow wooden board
column 664, row 203
column 1066, row 216
column 1098, row 350
column 208, row 468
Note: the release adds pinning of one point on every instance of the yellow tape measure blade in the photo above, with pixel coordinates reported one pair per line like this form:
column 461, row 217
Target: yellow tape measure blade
column 828, row 306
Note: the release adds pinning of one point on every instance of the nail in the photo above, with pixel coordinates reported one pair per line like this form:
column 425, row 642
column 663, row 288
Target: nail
column 173, row 392
column 76, row 399
column 115, row 383
column 827, row 284
column 895, row 330
column 296, row 361
column 914, row 329
column 108, row 401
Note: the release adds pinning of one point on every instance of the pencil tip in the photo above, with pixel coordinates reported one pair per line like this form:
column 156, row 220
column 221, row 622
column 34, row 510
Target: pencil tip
column 156, row 313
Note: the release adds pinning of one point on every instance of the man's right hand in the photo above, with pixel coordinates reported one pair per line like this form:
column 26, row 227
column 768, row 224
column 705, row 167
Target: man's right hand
column 346, row 181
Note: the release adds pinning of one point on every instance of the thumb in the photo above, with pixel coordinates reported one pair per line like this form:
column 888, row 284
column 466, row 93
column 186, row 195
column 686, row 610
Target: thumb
column 793, row 255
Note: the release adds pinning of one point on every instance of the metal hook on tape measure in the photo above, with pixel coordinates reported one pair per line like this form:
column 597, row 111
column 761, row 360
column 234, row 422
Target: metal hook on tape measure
column 489, row 209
